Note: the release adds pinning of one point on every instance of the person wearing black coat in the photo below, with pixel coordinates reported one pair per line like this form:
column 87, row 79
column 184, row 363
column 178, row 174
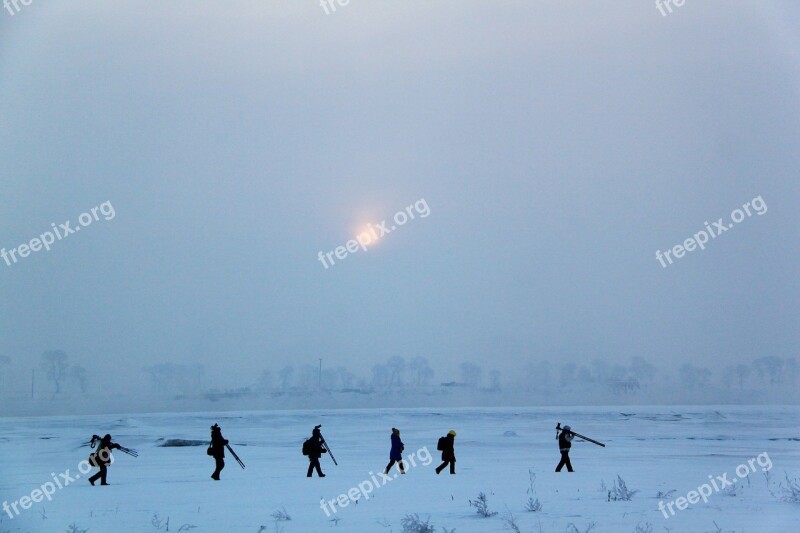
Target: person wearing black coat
column 564, row 444
column 396, row 453
column 102, row 457
column 217, row 450
column 448, row 453
column 315, row 451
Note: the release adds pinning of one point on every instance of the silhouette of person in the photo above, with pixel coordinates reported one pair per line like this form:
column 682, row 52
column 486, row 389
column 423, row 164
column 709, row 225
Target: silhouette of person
column 396, row 453
column 217, row 449
column 564, row 444
column 448, row 453
column 102, row 457
column 315, row 451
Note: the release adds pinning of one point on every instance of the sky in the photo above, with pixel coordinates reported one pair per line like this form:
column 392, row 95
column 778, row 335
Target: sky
column 557, row 146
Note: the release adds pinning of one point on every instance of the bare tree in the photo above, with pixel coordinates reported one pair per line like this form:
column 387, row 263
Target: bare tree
column 381, row 376
column 471, row 374
column 78, row 374
column 308, row 378
column 694, row 377
column 397, row 366
column 769, row 368
column 642, row 370
column 54, row 364
column 740, row 373
column 346, row 379
column 421, row 372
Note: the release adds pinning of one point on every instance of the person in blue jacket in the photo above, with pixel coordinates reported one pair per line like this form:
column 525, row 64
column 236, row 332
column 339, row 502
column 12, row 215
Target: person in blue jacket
column 396, row 453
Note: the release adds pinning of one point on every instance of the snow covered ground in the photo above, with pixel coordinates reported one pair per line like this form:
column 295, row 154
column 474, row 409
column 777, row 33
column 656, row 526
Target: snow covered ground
column 652, row 448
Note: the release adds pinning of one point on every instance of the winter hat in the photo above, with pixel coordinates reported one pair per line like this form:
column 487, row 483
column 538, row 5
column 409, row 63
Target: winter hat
column 567, row 428
column 395, row 431
column 452, row 432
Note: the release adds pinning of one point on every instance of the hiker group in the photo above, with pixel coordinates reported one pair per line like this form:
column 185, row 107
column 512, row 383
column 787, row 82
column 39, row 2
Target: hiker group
column 314, row 447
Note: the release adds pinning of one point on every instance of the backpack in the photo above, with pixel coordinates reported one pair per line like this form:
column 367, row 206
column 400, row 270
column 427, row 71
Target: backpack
column 441, row 444
column 307, row 447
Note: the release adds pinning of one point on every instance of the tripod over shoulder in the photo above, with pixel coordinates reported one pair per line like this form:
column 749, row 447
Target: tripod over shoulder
column 569, row 430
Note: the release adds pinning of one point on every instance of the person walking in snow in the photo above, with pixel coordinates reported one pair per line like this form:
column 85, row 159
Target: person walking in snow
column 217, row 450
column 396, row 453
column 102, row 457
column 314, row 448
column 447, row 446
column 564, row 444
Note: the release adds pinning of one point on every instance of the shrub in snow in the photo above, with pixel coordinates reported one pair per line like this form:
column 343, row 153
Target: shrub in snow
column 791, row 492
column 511, row 523
column 281, row 515
column 73, row 528
column 620, row 492
column 481, row 505
column 665, row 495
column 412, row 523
column 160, row 523
column 647, row 527
column 533, row 504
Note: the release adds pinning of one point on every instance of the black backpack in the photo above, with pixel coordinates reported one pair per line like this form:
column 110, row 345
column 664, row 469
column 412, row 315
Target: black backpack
column 307, row 447
column 441, row 444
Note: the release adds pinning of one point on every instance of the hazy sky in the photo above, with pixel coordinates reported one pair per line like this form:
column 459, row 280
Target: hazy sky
column 558, row 145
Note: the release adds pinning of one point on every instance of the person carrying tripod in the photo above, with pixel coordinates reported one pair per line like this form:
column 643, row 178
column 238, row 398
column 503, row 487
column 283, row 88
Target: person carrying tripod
column 102, row 457
column 217, row 450
column 564, row 444
column 314, row 448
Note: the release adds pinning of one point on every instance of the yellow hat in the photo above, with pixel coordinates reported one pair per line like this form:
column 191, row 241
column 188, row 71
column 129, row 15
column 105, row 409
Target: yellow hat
column 452, row 432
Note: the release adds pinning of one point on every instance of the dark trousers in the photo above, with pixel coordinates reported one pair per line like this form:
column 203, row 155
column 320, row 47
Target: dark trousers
column 444, row 465
column 312, row 465
column 564, row 462
column 220, row 465
column 391, row 464
column 101, row 475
